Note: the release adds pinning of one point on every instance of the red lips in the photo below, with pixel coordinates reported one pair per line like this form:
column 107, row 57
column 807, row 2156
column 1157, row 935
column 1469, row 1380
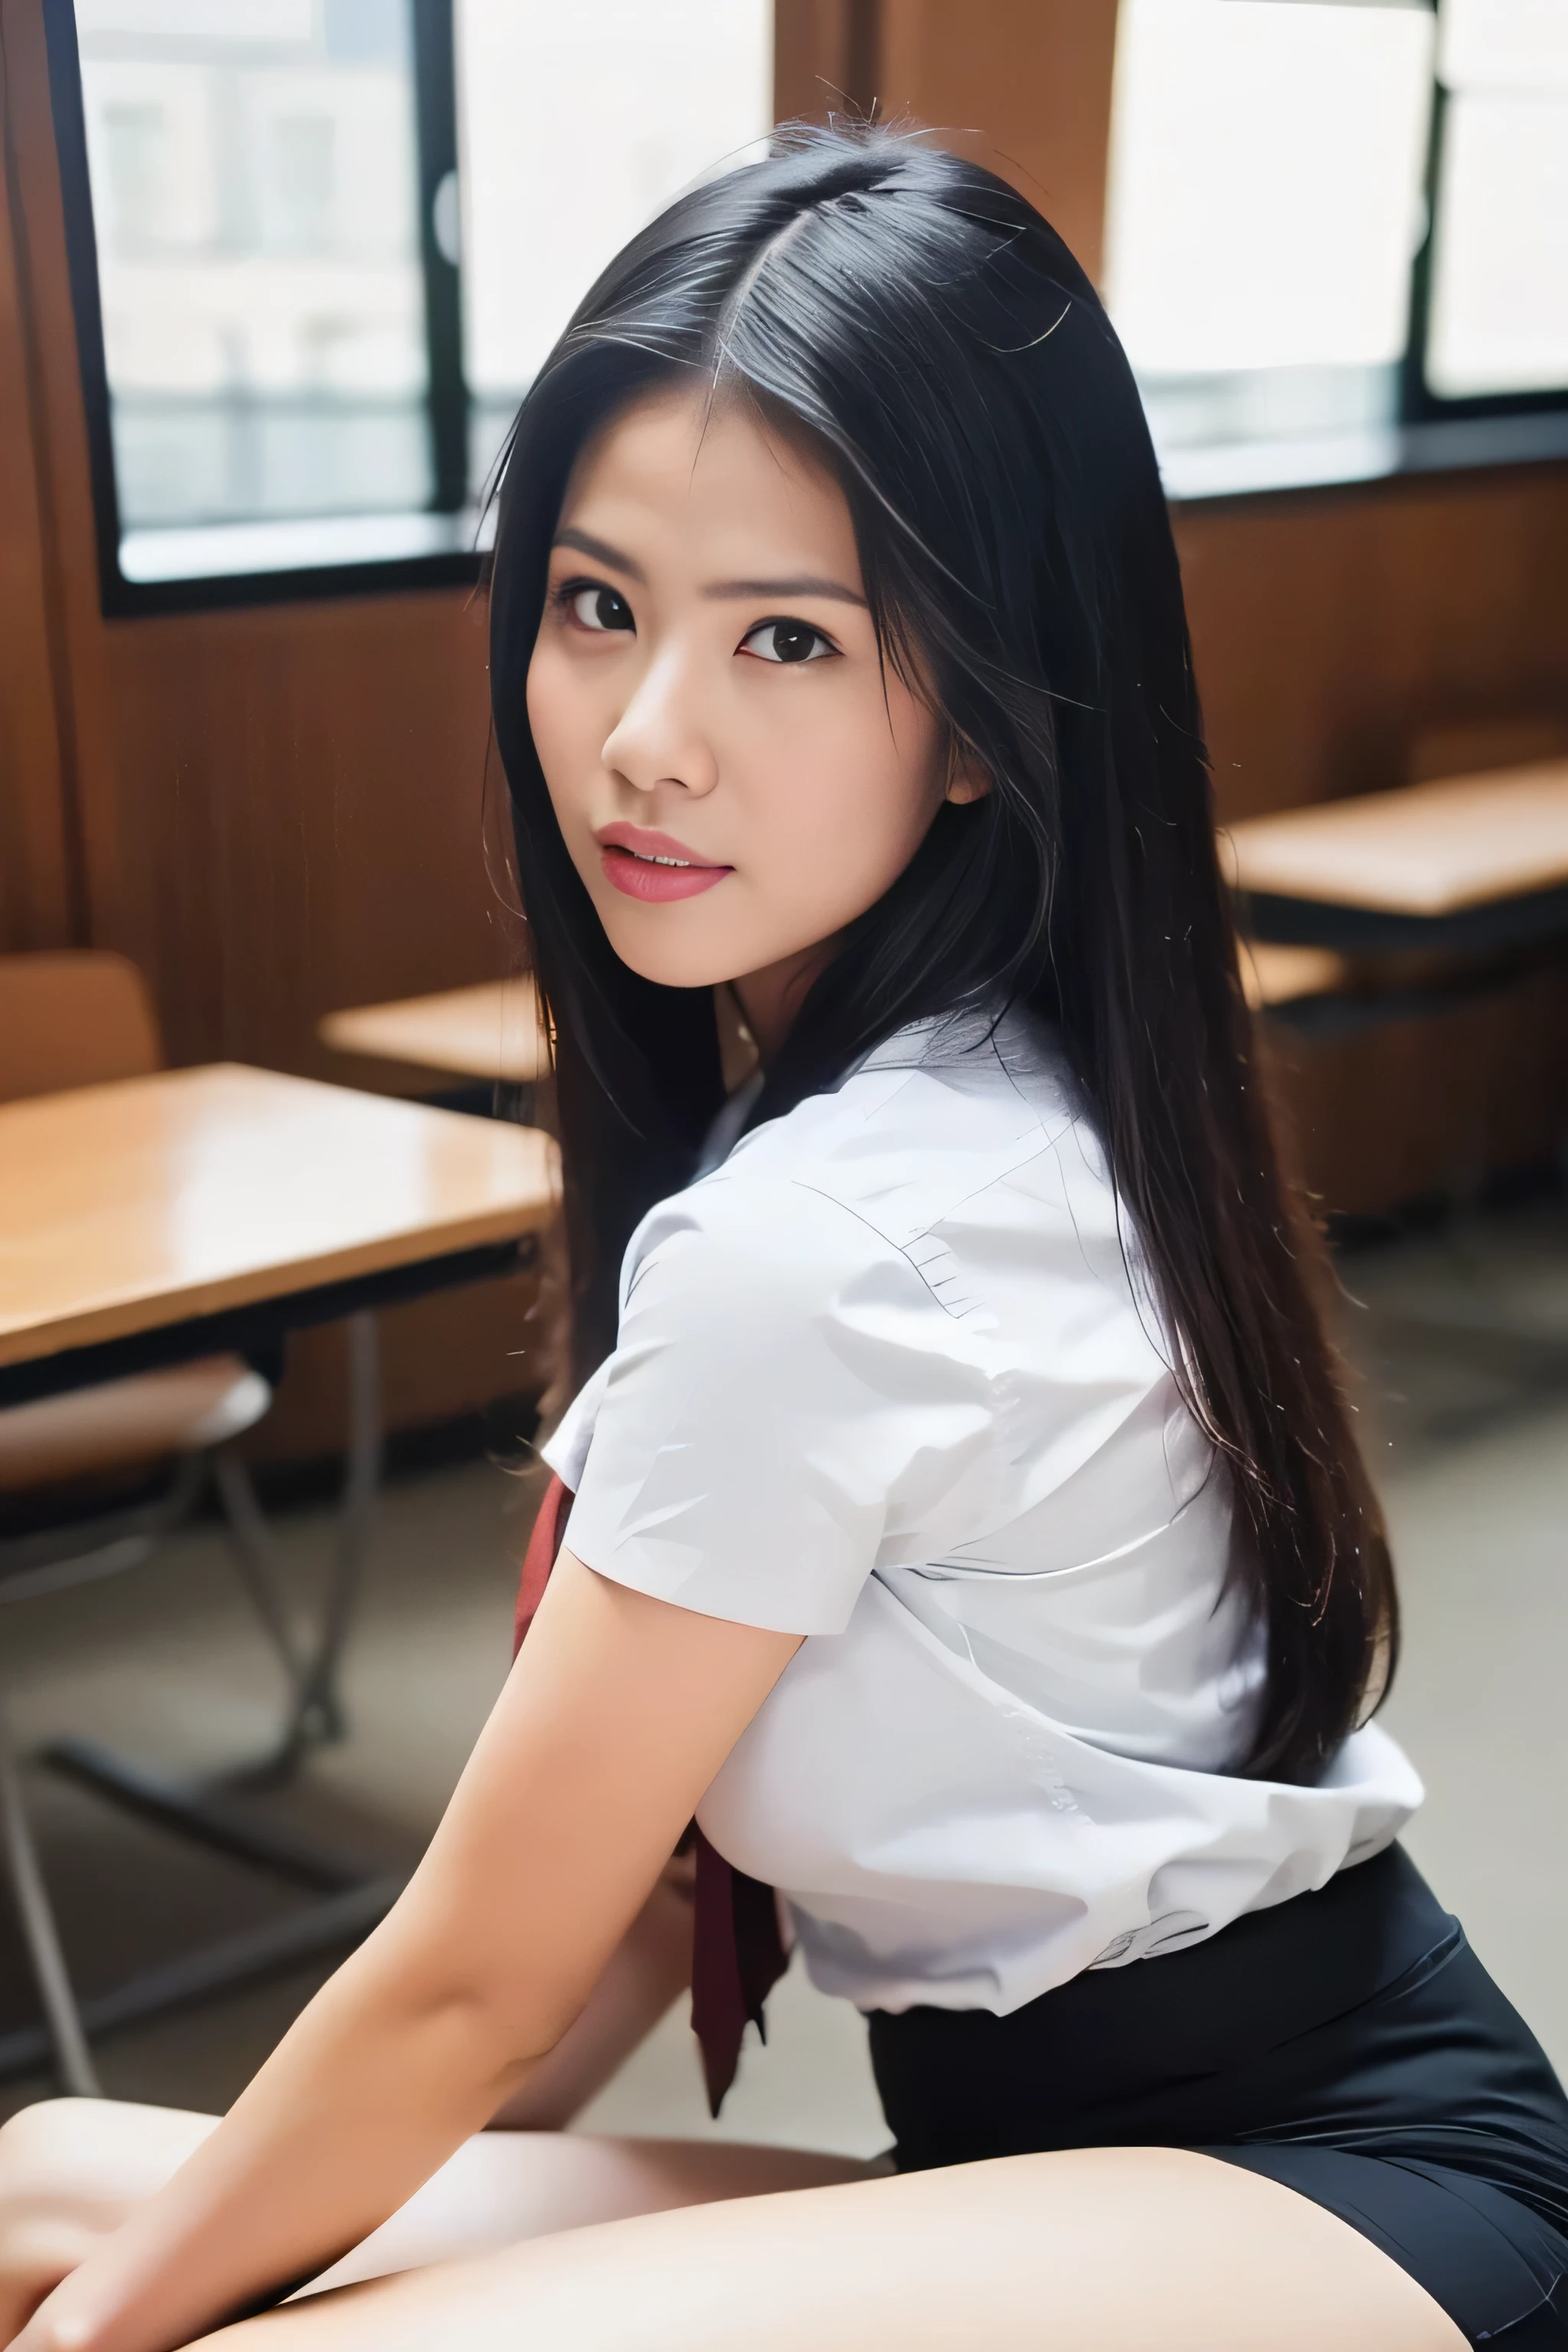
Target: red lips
column 654, row 867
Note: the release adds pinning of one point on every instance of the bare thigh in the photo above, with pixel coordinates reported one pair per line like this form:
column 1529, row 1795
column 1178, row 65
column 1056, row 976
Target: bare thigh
column 71, row 2170
column 1105, row 2250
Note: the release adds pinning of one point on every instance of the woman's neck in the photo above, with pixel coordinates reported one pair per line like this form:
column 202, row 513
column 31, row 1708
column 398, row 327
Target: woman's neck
column 769, row 999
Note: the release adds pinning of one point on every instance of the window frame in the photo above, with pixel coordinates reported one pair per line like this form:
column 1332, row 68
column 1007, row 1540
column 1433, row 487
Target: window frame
column 1418, row 403
column 447, row 400
column 1427, row 432
column 1432, row 432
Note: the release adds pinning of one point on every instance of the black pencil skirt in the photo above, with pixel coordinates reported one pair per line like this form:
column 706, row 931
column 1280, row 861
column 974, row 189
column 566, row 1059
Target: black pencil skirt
column 1348, row 2044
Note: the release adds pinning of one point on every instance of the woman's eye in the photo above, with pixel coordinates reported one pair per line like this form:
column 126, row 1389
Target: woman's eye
column 787, row 641
column 600, row 608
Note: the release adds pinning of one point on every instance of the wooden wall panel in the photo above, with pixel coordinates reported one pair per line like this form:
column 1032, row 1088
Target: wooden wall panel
column 36, row 908
column 1023, row 85
column 307, row 785
column 825, row 58
column 1338, row 634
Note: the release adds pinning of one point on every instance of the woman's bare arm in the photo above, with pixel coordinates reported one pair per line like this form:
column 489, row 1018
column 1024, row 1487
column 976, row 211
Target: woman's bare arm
column 614, row 1719
column 650, row 1968
column 73, row 2170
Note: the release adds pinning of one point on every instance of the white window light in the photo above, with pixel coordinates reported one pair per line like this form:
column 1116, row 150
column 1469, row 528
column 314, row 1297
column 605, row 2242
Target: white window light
column 575, row 124
column 1499, row 261
column 1265, row 183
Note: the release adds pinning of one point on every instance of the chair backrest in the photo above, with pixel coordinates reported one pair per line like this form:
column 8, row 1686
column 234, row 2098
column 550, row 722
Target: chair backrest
column 73, row 1019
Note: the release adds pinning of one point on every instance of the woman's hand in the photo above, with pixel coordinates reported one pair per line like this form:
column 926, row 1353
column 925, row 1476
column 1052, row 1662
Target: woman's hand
column 615, row 1718
column 40, row 2246
column 71, row 2171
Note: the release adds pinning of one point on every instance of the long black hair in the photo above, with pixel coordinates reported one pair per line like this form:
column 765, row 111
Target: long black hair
column 931, row 337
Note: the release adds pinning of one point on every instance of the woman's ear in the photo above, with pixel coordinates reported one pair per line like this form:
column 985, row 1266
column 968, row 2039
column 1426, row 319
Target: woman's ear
column 966, row 779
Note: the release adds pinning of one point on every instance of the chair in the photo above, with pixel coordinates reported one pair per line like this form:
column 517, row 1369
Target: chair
column 85, row 1019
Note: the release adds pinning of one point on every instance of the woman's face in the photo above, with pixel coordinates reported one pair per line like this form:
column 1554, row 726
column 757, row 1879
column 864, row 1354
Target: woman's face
column 735, row 772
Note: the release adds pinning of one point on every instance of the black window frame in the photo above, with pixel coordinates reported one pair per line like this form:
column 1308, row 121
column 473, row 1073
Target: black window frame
column 1472, row 431
column 1425, row 433
column 434, row 85
column 1418, row 403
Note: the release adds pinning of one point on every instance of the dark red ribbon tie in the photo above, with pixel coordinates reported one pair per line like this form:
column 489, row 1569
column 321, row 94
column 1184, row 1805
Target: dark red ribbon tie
column 737, row 1952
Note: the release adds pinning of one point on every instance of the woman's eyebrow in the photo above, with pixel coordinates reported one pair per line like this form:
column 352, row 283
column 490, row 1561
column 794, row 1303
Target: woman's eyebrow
column 806, row 584
column 601, row 551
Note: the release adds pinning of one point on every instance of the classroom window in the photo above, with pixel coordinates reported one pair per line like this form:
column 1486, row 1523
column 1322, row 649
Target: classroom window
column 1333, row 224
column 254, row 177
column 1500, row 247
column 589, row 118
column 321, row 246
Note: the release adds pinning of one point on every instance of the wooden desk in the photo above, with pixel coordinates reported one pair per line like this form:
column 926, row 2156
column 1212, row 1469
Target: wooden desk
column 1271, row 975
column 1472, row 863
column 492, row 1032
column 158, row 1202
column 193, row 1210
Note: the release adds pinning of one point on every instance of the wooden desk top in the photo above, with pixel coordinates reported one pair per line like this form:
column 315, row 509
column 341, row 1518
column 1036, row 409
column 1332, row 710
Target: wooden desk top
column 1428, row 850
column 1276, row 975
column 489, row 1031
column 128, row 1207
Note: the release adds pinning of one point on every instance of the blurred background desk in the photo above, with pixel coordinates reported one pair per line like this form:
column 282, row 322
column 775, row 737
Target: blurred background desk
column 136, row 1217
column 160, row 1219
column 1434, row 1058
column 1466, row 866
column 493, row 1034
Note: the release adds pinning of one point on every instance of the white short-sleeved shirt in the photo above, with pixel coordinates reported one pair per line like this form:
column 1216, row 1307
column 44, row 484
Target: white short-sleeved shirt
column 883, row 1379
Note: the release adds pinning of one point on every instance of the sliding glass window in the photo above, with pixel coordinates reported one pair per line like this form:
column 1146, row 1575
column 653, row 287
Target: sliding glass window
column 320, row 247
column 1497, row 268
column 1337, row 234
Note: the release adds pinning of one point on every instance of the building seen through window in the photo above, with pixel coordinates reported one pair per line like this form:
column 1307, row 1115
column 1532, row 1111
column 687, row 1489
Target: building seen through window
column 575, row 125
column 322, row 246
column 1500, row 259
column 335, row 238
column 255, row 187
column 1332, row 221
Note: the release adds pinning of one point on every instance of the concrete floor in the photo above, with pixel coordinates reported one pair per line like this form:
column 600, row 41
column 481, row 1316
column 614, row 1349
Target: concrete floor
column 1462, row 1343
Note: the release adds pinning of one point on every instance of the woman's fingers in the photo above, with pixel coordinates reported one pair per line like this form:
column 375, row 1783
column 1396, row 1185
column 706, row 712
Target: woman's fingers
column 36, row 2253
column 71, row 2171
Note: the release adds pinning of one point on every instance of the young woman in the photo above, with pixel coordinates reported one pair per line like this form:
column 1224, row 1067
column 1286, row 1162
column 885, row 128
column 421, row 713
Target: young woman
column 967, row 1526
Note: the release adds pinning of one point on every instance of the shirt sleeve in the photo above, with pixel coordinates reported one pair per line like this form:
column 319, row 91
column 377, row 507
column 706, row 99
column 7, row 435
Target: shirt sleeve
column 787, row 1403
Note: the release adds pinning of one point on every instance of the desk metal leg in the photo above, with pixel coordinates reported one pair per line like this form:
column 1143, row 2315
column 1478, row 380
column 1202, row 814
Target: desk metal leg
column 65, row 2032
column 339, row 1919
column 355, row 1899
column 257, row 1557
column 317, row 1709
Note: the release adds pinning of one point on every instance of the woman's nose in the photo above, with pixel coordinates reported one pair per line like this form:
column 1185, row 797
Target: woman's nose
column 659, row 738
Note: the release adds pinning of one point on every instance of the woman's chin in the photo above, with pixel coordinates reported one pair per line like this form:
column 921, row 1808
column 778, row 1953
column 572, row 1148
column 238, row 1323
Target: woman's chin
column 673, row 963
